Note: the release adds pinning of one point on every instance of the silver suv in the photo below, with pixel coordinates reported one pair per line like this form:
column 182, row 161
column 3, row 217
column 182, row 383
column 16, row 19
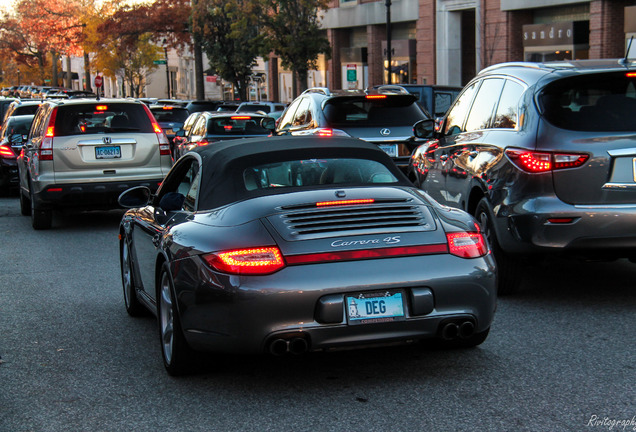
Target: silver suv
column 82, row 154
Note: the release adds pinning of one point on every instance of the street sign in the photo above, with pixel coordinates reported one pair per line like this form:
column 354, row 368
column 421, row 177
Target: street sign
column 159, row 61
column 99, row 81
column 352, row 73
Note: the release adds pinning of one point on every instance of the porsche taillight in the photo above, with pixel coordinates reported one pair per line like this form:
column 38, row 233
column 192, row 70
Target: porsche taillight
column 467, row 244
column 251, row 261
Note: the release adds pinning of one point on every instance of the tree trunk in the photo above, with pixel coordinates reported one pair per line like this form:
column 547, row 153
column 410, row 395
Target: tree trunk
column 69, row 78
column 198, row 72
column 302, row 80
column 54, row 82
column 294, row 84
column 87, row 72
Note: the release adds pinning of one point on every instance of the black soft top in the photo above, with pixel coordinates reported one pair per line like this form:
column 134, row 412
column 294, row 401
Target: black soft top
column 224, row 163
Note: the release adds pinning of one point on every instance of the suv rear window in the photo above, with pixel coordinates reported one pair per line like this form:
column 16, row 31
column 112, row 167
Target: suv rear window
column 236, row 125
column 101, row 118
column 391, row 111
column 170, row 114
column 592, row 102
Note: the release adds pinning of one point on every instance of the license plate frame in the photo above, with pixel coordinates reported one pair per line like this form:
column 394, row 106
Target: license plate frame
column 390, row 149
column 108, row 152
column 375, row 307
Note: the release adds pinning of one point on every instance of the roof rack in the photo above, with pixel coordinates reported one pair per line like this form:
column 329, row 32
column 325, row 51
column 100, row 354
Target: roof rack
column 388, row 89
column 530, row 65
column 321, row 90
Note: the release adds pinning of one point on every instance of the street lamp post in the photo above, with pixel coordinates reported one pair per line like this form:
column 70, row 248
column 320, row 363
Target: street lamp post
column 388, row 40
column 18, row 77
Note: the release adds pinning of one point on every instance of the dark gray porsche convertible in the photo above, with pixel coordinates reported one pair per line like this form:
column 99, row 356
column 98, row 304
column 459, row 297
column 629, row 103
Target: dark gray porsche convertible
column 298, row 244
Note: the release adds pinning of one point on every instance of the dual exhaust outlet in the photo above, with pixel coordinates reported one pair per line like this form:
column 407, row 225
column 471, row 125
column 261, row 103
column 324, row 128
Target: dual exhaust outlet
column 458, row 330
column 294, row 345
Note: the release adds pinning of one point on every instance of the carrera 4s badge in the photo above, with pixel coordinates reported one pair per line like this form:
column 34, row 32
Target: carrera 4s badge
column 386, row 240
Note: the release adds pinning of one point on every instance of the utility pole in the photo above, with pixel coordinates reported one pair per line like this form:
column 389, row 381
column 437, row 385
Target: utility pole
column 388, row 40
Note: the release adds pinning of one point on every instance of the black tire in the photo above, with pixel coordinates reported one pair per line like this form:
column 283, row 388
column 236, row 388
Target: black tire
column 510, row 269
column 132, row 303
column 177, row 355
column 25, row 204
column 40, row 219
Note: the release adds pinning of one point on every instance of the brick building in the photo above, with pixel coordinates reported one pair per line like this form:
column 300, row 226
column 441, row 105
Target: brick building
column 449, row 41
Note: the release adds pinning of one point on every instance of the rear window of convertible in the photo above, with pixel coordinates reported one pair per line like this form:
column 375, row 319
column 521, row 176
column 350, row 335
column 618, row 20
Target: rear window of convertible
column 101, row 118
column 315, row 172
column 600, row 102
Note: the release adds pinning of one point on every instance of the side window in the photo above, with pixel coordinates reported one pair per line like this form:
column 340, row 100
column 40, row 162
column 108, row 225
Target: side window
column 457, row 114
column 180, row 189
column 191, row 181
column 286, row 120
column 483, row 108
column 303, row 114
column 199, row 127
column 507, row 116
column 38, row 122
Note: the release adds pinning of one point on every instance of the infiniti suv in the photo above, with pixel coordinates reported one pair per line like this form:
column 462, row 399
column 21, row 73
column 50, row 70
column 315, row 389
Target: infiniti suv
column 83, row 153
column 544, row 156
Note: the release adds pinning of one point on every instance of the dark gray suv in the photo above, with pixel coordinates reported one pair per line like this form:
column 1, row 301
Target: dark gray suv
column 544, row 156
column 384, row 116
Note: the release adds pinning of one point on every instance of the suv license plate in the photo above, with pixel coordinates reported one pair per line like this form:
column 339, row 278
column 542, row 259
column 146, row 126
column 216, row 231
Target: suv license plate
column 108, row 152
column 375, row 307
column 390, row 149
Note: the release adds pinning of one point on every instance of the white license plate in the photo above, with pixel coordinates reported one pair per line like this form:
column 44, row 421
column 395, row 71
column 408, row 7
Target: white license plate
column 111, row 152
column 375, row 307
column 390, row 149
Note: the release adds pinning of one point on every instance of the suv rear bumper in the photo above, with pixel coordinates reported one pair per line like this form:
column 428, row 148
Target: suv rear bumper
column 87, row 195
column 550, row 225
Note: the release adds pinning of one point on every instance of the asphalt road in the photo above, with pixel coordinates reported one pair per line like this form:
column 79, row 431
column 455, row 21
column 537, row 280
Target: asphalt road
column 561, row 356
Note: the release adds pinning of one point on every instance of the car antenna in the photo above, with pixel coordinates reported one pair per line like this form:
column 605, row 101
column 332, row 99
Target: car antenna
column 623, row 61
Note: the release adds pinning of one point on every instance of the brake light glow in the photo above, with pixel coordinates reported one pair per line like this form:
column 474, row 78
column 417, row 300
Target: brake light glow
column 6, row 152
column 367, row 254
column 630, row 74
column 540, row 162
column 101, row 107
column 167, row 107
column 254, row 261
column 50, row 129
column 241, row 117
column 164, row 144
column 325, row 132
column 466, row 245
column 375, row 96
column 345, row 202
column 203, row 142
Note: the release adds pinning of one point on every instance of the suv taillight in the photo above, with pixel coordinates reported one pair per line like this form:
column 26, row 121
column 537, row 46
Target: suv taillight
column 540, row 162
column 45, row 152
column 164, row 144
column 466, row 245
column 6, row 152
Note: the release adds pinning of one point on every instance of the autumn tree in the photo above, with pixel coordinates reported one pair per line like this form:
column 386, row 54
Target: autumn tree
column 229, row 33
column 293, row 32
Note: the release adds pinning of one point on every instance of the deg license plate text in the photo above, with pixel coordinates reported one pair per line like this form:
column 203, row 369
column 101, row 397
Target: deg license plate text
column 379, row 307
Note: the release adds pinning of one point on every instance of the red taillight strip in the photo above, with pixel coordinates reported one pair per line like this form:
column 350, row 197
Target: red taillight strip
column 254, row 261
column 241, row 118
column 466, row 245
column 6, row 152
column 541, row 162
column 367, row 254
column 50, row 128
column 375, row 96
column 345, row 202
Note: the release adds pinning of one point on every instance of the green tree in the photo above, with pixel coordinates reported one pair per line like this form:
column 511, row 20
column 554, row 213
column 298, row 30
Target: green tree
column 293, row 33
column 229, row 33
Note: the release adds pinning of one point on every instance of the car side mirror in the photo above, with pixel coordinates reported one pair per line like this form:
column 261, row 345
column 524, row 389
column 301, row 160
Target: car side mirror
column 138, row 196
column 424, row 128
column 268, row 123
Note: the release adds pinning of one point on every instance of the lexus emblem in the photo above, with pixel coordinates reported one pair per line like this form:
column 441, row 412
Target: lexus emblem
column 385, row 132
column 107, row 140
